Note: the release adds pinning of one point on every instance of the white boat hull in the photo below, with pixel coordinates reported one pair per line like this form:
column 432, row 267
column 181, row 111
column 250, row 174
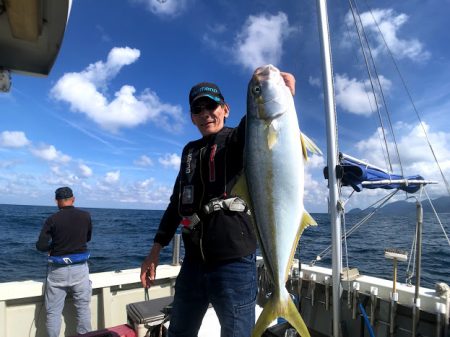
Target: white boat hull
column 22, row 312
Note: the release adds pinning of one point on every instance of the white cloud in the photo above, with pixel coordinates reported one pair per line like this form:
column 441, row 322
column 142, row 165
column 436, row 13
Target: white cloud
column 261, row 40
column 100, row 73
column 112, row 177
column 84, row 92
column 389, row 23
column 149, row 192
column 13, row 139
column 415, row 153
column 145, row 184
column 217, row 28
column 57, row 176
column 315, row 161
column 143, row 161
column 170, row 160
column 316, row 191
column 314, row 81
column 56, row 170
column 6, row 164
column 50, row 153
column 85, row 171
column 86, row 187
column 165, row 8
column 356, row 96
column 141, row 193
column 103, row 35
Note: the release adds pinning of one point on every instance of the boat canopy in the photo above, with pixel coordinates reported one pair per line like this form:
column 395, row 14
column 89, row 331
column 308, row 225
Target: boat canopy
column 31, row 34
column 358, row 174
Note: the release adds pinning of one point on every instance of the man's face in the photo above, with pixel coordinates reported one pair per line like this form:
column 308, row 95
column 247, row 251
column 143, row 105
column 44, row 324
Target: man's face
column 208, row 115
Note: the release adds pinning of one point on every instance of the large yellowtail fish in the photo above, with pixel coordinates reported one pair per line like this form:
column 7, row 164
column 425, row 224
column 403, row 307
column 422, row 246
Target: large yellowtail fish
column 273, row 185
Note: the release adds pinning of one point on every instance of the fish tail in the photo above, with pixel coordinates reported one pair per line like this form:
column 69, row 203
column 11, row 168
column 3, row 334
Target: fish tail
column 293, row 316
column 275, row 308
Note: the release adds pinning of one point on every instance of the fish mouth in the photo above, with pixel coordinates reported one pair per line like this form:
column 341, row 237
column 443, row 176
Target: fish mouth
column 266, row 72
column 268, row 92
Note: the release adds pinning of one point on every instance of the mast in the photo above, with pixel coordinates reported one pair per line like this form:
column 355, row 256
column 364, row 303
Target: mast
column 332, row 154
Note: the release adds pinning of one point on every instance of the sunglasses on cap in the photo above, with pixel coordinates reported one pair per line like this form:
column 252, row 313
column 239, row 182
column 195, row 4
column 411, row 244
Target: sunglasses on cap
column 198, row 108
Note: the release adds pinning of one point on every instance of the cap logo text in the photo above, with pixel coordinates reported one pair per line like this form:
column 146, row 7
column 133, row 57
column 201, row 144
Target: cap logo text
column 202, row 89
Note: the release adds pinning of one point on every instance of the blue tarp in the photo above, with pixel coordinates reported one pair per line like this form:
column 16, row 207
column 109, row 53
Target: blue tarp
column 353, row 173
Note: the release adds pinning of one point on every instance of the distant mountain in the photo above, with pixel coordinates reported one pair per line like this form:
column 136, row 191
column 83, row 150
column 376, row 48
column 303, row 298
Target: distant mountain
column 441, row 205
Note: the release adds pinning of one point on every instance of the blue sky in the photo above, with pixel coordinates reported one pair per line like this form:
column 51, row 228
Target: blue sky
column 112, row 117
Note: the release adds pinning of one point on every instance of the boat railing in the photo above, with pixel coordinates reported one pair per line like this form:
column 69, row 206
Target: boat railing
column 22, row 311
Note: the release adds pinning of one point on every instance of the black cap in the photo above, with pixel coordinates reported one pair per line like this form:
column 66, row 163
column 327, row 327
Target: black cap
column 205, row 89
column 63, row 193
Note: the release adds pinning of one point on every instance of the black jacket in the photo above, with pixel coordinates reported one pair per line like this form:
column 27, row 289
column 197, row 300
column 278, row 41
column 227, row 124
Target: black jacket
column 66, row 232
column 209, row 169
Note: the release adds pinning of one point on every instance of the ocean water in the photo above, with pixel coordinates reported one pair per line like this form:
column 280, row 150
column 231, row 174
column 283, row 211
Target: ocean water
column 122, row 238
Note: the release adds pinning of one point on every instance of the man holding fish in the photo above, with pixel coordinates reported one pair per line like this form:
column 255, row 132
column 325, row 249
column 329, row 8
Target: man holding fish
column 213, row 201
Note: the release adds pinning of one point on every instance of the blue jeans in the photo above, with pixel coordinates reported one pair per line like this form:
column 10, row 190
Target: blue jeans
column 230, row 287
column 61, row 280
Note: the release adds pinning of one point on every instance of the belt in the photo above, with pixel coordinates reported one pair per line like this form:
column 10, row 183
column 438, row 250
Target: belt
column 234, row 204
column 69, row 259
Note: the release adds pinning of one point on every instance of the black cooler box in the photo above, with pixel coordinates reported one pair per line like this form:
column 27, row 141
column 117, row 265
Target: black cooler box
column 146, row 315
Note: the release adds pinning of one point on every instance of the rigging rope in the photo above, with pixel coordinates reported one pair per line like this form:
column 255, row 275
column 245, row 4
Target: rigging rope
column 346, row 251
column 447, row 185
column 370, row 64
column 412, row 254
column 360, row 28
column 437, row 217
column 382, row 94
column 380, row 131
column 382, row 202
column 411, row 260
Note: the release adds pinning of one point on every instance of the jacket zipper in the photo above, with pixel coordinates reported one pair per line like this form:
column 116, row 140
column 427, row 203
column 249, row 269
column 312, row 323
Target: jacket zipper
column 202, row 151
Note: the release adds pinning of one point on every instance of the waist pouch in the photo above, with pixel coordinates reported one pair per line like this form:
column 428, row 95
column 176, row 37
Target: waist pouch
column 69, row 258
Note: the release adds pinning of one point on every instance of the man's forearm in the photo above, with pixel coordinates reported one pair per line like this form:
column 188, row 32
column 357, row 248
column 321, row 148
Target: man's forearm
column 43, row 244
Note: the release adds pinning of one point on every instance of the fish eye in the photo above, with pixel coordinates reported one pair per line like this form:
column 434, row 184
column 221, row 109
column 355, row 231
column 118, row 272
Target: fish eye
column 257, row 90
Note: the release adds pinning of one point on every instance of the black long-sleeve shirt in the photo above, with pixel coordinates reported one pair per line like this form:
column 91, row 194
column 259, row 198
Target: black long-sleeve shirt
column 209, row 169
column 66, row 232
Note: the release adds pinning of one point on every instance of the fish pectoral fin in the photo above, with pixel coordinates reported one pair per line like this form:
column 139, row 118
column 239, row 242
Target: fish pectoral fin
column 308, row 145
column 272, row 135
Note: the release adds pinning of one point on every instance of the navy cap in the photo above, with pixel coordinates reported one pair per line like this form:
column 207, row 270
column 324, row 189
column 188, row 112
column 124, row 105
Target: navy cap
column 206, row 89
column 63, row 193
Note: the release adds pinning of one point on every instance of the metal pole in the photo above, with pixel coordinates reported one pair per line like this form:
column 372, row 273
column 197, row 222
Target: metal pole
column 418, row 247
column 416, row 318
column 332, row 153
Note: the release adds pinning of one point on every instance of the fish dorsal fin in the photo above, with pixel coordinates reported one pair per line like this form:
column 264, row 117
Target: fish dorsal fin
column 308, row 145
